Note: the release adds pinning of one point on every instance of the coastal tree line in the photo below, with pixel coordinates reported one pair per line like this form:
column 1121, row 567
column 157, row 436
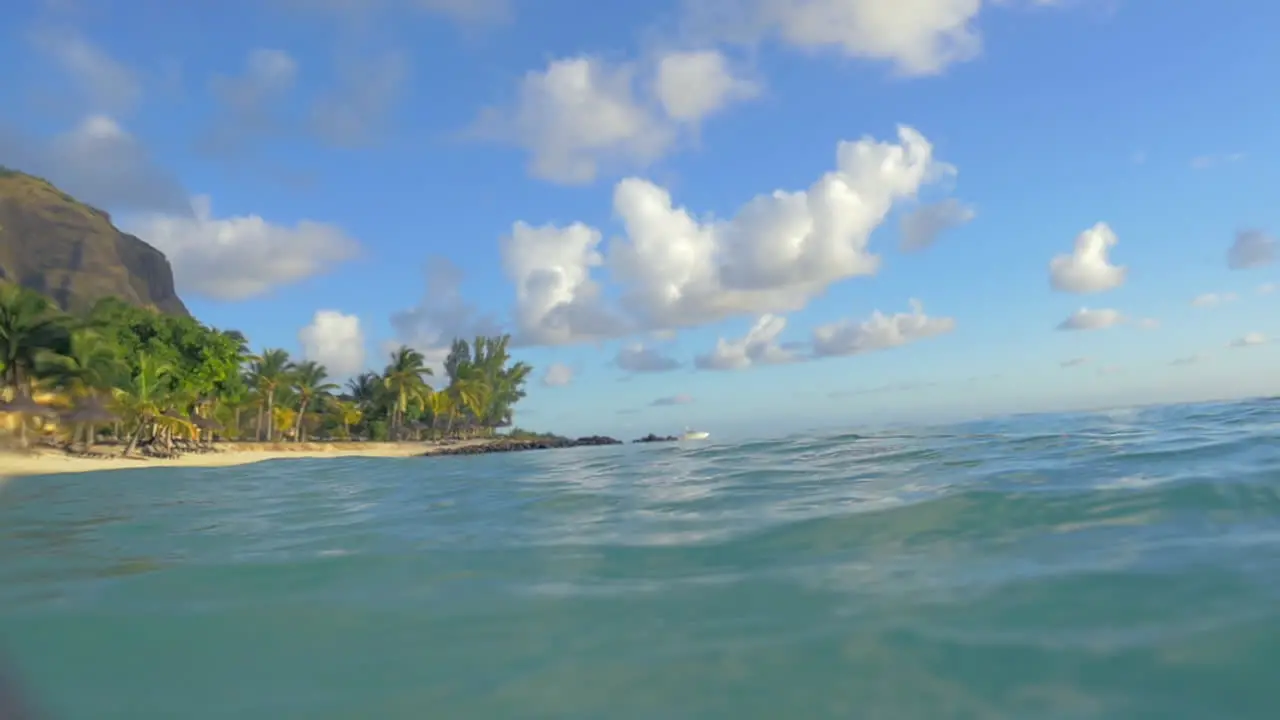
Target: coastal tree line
column 147, row 379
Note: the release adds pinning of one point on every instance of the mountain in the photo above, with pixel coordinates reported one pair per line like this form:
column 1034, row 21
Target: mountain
column 54, row 244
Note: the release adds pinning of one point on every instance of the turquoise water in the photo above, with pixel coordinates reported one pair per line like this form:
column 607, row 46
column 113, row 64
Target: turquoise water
column 1122, row 565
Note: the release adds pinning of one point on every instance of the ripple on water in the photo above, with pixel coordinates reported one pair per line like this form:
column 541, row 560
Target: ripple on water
column 1122, row 565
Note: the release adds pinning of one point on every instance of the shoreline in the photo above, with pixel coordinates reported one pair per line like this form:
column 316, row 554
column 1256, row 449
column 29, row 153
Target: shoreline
column 50, row 461
column 55, row 461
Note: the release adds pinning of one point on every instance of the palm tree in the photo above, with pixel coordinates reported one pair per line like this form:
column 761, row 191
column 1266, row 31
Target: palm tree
column 348, row 414
column 30, row 328
column 266, row 373
column 310, row 381
column 404, row 378
column 364, row 389
column 91, row 365
column 146, row 397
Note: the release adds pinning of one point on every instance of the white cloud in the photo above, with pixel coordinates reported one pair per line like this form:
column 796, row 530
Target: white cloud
column 237, row 258
column 1249, row 340
column 582, row 115
column 1087, row 269
column 557, row 375
column 442, row 314
column 1266, row 288
column 693, row 85
column 334, row 340
column 1074, row 362
column 1214, row 299
column 916, row 37
column 1111, row 370
column 1086, row 319
column 759, row 347
column 637, row 358
column 100, row 163
column 557, row 301
column 1192, row 359
column 672, row 400
column 676, row 270
column 108, row 84
column 920, row 227
column 879, row 332
column 777, row 252
column 1251, row 249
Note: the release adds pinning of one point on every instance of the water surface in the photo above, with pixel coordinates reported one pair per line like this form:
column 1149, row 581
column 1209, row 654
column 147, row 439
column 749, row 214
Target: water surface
column 1118, row 565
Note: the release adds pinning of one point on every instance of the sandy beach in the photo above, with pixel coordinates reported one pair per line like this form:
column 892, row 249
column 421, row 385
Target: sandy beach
column 52, row 462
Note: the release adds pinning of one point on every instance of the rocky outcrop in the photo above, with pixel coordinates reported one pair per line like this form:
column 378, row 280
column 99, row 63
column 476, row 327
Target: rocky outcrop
column 651, row 438
column 504, row 445
column 70, row 252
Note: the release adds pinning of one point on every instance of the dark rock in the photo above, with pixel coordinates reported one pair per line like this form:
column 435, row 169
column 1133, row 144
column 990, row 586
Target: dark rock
column 651, row 438
column 596, row 440
column 522, row 444
column 57, row 246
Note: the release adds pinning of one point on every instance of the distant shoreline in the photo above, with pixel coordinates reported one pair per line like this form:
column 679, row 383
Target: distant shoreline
column 56, row 462
column 51, row 461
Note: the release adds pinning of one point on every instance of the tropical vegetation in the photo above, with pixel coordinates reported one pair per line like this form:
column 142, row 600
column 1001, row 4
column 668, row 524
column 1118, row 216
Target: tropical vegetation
column 145, row 379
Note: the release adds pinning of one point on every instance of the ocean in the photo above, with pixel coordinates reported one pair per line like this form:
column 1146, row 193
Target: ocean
column 1123, row 565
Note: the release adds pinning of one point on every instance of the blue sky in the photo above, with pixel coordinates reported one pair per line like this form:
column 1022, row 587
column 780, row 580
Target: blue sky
column 372, row 160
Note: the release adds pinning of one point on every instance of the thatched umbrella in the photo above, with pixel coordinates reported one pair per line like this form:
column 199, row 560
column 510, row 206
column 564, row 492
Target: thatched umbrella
column 89, row 413
column 25, row 408
column 204, row 423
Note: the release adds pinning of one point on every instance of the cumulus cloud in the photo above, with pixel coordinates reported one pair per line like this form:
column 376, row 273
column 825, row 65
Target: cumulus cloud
column 237, row 258
column 879, row 332
column 1251, row 249
column 107, row 84
column 920, row 227
column 758, row 347
column 678, row 270
column 442, row 313
column 1266, row 288
column 249, row 104
column 557, row 375
column 582, row 115
column 334, row 340
column 1086, row 319
column 922, row 37
column 1214, row 299
column 100, row 163
column 672, row 400
column 638, row 358
column 693, row 85
column 557, row 301
column 1249, row 340
column 1088, row 269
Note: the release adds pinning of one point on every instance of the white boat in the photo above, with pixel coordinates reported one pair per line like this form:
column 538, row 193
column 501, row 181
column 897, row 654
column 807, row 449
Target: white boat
column 695, row 435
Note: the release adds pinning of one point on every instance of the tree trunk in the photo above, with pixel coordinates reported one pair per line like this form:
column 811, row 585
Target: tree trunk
column 134, row 438
column 271, row 416
column 297, row 427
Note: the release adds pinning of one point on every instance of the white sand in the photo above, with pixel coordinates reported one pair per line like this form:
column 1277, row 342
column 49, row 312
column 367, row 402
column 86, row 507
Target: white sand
column 53, row 462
